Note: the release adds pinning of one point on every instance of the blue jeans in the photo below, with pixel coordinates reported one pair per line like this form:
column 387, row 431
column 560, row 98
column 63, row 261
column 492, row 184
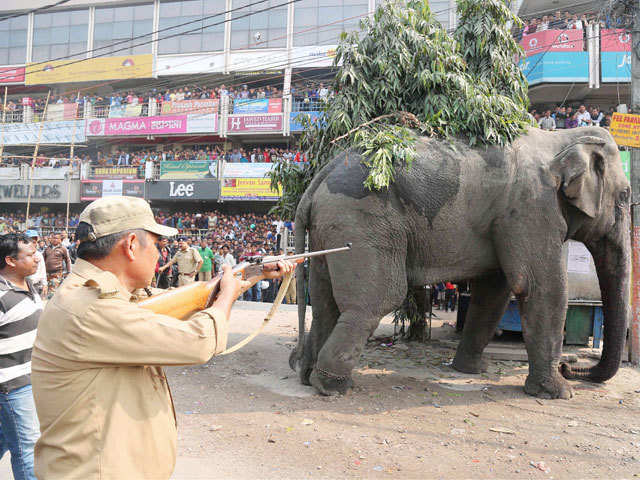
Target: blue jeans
column 254, row 294
column 19, row 430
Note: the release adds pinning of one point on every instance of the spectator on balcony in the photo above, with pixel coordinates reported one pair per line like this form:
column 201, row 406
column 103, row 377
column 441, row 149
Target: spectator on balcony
column 544, row 24
column 557, row 22
column 575, row 23
column 123, row 159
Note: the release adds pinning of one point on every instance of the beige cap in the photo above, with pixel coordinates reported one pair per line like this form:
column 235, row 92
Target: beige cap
column 116, row 214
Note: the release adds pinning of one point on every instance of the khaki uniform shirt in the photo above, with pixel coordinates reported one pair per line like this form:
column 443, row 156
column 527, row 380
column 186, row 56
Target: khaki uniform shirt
column 187, row 260
column 102, row 398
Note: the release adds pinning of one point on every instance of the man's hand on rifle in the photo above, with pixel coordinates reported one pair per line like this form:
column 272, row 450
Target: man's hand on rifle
column 277, row 270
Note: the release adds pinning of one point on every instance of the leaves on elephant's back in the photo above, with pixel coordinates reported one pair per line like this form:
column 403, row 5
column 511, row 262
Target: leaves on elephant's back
column 465, row 84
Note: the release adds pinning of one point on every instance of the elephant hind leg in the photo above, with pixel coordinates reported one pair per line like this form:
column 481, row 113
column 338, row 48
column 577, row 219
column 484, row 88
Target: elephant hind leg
column 325, row 315
column 489, row 300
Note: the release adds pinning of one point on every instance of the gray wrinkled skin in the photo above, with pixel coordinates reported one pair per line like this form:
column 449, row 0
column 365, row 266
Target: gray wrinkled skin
column 496, row 216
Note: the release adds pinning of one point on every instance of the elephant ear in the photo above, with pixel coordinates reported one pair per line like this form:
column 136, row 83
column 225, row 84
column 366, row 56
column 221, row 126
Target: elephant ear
column 580, row 168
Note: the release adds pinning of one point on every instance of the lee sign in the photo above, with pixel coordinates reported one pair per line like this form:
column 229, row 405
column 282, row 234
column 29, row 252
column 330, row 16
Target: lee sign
column 184, row 190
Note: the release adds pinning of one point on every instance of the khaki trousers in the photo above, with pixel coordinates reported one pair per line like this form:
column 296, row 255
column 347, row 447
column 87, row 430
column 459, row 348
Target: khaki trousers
column 185, row 279
column 204, row 276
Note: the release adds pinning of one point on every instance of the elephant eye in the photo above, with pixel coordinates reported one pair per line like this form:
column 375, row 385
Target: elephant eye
column 624, row 196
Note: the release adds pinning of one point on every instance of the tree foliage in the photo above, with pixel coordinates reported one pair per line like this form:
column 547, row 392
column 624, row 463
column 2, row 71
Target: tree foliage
column 403, row 63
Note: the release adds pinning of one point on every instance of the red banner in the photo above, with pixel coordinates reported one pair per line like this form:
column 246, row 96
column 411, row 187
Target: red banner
column 11, row 74
column 275, row 105
column 553, row 41
column 618, row 40
column 62, row 111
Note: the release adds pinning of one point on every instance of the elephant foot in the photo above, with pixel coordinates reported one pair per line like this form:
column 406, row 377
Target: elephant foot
column 469, row 363
column 329, row 384
column 548, row 387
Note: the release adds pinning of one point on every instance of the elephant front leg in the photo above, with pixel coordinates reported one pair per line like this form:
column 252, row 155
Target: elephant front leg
column 543, row 307
column 489, row 300
column 339, row 355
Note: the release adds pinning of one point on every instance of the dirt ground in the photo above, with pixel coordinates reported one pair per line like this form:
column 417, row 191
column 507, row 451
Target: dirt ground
column 410, row 415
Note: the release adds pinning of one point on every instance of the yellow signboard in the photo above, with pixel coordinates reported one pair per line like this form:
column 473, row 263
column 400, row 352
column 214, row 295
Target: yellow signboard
column 248, row 189
column 625, row 129
column 89, row 70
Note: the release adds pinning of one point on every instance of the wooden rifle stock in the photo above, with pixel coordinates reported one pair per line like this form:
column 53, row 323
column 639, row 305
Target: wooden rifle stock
column 182, row 302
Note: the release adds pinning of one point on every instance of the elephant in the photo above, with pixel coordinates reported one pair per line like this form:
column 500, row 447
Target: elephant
column 495, row 216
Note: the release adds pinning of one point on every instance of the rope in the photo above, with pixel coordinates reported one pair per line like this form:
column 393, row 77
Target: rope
column 276, row 303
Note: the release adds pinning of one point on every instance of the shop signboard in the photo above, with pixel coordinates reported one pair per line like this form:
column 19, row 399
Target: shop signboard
column 206, row 105
column 188, row 169
column 625, row 129
column 158, row 125
column 615, row 67
column 615, row 40
column 187, row 190
column 129, row 173
column 556, row 67
column 94, row 189
column 42, row 191
column 248, row 189
column 254, row 123
column 52, row 133
column 549, row 41
column 89, row 70
column 11, row 75
column 259, row 105
column 246, row 170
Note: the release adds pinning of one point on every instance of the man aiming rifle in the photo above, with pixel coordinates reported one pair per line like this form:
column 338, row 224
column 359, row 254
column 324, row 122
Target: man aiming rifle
column 102, row 398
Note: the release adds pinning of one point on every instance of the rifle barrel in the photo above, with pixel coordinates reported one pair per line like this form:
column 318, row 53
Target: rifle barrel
column 305, row 255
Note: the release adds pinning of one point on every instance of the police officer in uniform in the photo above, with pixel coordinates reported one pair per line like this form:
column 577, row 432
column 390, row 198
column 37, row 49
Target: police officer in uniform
column 101, row 395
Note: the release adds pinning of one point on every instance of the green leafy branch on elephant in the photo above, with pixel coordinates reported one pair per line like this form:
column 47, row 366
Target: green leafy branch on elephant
column 403, row 60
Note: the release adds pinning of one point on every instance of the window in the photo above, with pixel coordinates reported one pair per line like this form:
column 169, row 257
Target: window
column 204, row 31
column 253, row 28
column 60, row 35
column 118, row 24
column 320, row 22
column 13, row 41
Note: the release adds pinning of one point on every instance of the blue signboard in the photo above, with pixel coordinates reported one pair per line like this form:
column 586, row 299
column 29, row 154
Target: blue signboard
column 251, row 106
column 297, row 123
column 616, row 66
column 556, row 67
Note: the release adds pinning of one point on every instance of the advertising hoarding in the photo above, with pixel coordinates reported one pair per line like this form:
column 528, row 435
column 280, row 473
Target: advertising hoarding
column 615, row 40
column 248, row 189
column 615, row 66
column 552, row 41
column 89, row 70
column 184, row 190
column 625, row 129
column 158, row 125
column 52, row 132
column 94, row 189
column 11, row 75
column 254, row 123
column 188, row 169
column 258, row 105
column 207, row 105
column 556, row 67
column 43, row 191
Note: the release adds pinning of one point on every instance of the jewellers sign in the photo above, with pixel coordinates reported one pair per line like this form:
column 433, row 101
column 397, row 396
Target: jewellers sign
column 254, row 123
column 51, row 191
column 184, row 190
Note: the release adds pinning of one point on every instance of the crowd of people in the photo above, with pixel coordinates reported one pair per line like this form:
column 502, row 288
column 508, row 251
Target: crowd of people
column 266, row 154
column 561, row 117
column 306, row 95
column 565, row 21
column 230, row 238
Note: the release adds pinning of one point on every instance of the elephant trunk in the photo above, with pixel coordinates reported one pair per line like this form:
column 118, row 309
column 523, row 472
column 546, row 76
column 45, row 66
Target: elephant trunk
column 612, row 256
